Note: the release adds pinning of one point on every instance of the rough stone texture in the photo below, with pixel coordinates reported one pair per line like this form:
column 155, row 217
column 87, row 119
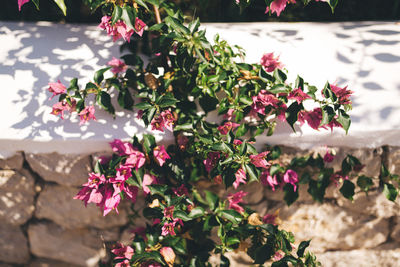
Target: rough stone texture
column 13, row 245
column 394, row 160
column 395, row 235
column 82, row 247
column 56, row 203
column 333, row 228
column 12, row 163
column 16, row 197
column 50, row 263
column 375, row 203
column 70, row 170
column 387, row 256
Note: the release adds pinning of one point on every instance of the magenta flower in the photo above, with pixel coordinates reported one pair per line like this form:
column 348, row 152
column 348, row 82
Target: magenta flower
column 122, row 148
column 139, row 26
column 328, row 156
column 235, row 199
column 60, row 107
column 135, row 160
column 240, row 176
column 123, row 173
column 259, row 160
column 169, row 212
column 229, row 115
column 112, row 198
column 92, row 190
column 123, row 252
column 270, row 63
column 278, row 6
column 56, row 89
column 117, row 65
column 21, row 3
column 338, row 177
column 148, row 179
column 262, row 100
column 313, row 117
column 160, row 155
column 118, row 30
column 228, row 126
column 267, row 179
column 180, row 191
column 298, row 95
column 86, row 114
column 124, row 263
column 211, row 160
column 168, row 229
column 168, row 120
column 342, row 93
column 291, row 177
column 269, row 218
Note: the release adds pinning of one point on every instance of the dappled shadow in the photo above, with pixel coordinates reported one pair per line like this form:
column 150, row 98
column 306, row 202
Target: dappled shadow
column 43, row 53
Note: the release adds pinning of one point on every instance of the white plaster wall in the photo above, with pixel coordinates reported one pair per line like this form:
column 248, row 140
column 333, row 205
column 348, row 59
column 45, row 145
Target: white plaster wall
column 363, row 55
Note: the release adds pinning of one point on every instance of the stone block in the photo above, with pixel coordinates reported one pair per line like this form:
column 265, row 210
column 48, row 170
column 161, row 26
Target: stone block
column 375, row 203
column 394, row 160
column 16, row 197
column 41, row 262
column 13, row 245
column 14, row 162
column 333, row 228
column 82, row 247
column 56, row 203
column 69, row 170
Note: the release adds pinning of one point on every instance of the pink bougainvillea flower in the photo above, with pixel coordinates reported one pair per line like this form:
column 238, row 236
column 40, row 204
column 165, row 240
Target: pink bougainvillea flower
column 118, row 30
column 92, row 190
column 270, row 63
column 267, row 179
column 124, row 172
column 240, row 176
column 262, row 100
column 211, row 160
column 313, row 117
column 180, row 191
column 237, row 142
column 338, row 177
column 117, row 65
column 122, row 148
column 278, row 256
column 270, row 218
column 122, row 252
column 157, row 123
column 151, row 264
column 168, row 229
column 259, row 160
column 291, row 177
column 60, row 107
column 282, row 112
column 169, row 212
column 112, row 198
column 278, row 6
column 21, row 3
column 168, row 120
column 160, row 155
column 228, row 126
column 135, row 160
column 139, row 26
column 124, row 263
column 182, row 141
column 342, row 93
column 235, row 199
column 229, row 115
column 86, row 114
column 168, row 255
column 148, row 179
column 56, row 89
column 328, row 156
column 298, row 95
column 218, row 179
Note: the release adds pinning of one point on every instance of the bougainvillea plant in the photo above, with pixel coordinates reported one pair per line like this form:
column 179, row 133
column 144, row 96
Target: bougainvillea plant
column 187, row 77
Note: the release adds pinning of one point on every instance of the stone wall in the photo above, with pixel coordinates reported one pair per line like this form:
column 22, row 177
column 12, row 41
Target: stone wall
column 41, row 225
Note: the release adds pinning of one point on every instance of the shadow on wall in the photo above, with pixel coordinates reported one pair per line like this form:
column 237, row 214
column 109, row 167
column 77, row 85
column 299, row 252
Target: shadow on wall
column 44, row 53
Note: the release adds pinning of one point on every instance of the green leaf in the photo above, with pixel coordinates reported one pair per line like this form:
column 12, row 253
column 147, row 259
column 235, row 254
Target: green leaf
column 128, row 17
column 242, row 130
column 231, row 215
column 175, row 24
column 232, row 240
column 347, row 189
column 104, row 100
column 279, row 88
column 143, row 105
column 212, row 199
column 157, row 189
column 290, row 196
column 98, row 168
column 390, row 192
column 264, row 76
column 125, row 99
column 280, row 75
column 250, row 170
column 150, row 114
column 99, row 75
column 167, row 101
column 116, row 15
column 327, row 115
column 181, row 215
column 62, row 6
column 196, row 212
column 36, row 2
column 365, row 183
column 143, row 4
column 299, row 83
column 149, row 142
column 302, row 247
column 208, row 103
column 344, row 120
column 332, row 4
column 292, row 113
column 221, row 147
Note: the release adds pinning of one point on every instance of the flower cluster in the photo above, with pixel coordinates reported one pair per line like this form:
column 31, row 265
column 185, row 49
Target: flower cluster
column 120, row 29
